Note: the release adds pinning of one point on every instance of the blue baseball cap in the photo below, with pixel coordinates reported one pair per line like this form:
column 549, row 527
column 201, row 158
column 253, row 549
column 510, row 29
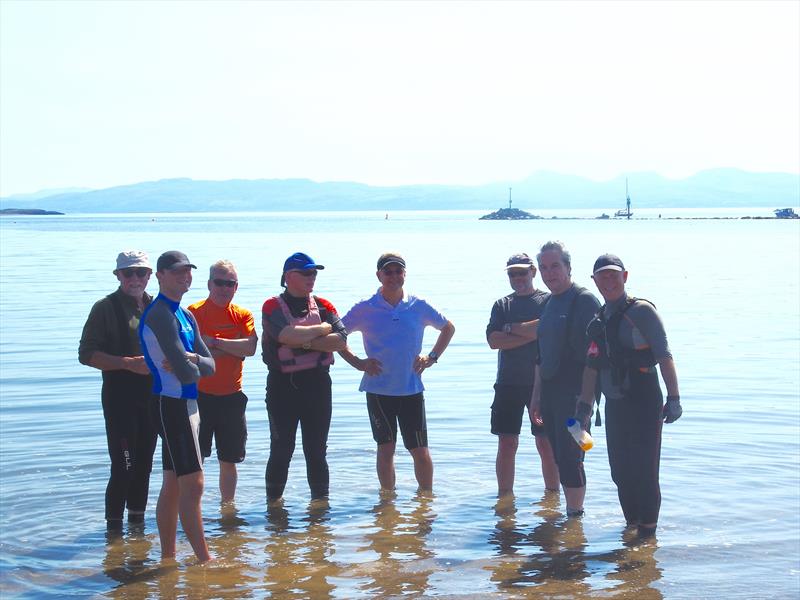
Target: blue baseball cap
column 298, row 262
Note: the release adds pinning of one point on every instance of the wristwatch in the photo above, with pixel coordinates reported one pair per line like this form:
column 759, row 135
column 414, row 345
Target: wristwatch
column 433, row 356
column 307, row 346
column 507, row 328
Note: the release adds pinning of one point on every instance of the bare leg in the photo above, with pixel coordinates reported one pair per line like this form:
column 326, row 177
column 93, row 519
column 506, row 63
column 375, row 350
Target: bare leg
column 549, row 466
column 167, row 514
column 574, row 497
column 190, row 493
column 385, row 465
column 423, row 468
column 504, row 465
column 227, row 480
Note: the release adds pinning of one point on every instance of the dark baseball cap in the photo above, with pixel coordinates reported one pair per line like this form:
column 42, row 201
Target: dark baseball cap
column 173, row 259
column 608, row 262
column 298, row 262
column 389, row 258
column 519, row 261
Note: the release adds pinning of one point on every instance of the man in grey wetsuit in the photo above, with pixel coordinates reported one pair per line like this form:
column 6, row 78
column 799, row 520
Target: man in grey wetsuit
column 512, row 330
column 562, row 353
column 627, row 340
column 177, row 357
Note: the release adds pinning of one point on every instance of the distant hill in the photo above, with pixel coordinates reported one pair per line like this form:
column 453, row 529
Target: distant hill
column 44, row 194
column 713, row 188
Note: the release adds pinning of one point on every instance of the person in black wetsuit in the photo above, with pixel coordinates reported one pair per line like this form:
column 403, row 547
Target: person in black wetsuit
column 562, row 353
column 110, row 343
column 301, row 332
column 627, row 340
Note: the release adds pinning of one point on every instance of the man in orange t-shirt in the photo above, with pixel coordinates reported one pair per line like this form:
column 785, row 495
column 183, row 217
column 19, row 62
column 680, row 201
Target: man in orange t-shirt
column 229, row 333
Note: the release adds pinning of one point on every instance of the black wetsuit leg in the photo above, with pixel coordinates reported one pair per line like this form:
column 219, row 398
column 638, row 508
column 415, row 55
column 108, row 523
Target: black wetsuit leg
column 304, row 398
column 315, row 422
column 633, row 437
column 558, row 404
column 131, row 435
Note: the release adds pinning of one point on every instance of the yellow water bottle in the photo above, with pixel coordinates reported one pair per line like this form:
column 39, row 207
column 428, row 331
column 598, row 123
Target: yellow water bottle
column 582, row 437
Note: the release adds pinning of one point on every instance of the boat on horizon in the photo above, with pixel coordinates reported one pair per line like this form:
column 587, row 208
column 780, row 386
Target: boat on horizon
column 626, row 212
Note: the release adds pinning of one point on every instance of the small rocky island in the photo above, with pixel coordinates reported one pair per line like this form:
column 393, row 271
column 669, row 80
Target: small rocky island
column 28, row 211
column 509, row 214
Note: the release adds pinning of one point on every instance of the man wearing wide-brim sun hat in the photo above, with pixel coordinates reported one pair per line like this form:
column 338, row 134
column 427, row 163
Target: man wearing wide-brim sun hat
column 301, row 332
column 110, row 343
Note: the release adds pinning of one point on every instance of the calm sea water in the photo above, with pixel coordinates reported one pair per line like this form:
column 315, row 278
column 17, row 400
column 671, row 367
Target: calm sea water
column 728, row 290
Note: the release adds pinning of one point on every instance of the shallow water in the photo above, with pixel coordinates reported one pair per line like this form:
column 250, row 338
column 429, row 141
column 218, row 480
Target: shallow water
column 728, row 290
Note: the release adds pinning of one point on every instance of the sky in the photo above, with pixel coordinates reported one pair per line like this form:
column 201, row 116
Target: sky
column 97, row 94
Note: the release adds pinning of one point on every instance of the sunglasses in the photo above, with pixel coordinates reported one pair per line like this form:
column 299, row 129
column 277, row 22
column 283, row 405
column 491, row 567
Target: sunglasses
column 140, row 272
column 228, row 283
column 518, row 272
column 393, row 271
column 306, row 272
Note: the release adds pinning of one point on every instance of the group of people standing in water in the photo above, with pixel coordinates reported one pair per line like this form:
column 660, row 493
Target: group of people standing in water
column 177, row 373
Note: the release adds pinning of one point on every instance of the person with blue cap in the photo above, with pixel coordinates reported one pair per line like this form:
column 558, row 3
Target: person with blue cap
column 300, row 333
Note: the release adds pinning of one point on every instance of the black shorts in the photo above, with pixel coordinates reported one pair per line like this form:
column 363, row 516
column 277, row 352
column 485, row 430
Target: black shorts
column 223, row 418
column 386, row 411
column 508, row 408
column 179, row 422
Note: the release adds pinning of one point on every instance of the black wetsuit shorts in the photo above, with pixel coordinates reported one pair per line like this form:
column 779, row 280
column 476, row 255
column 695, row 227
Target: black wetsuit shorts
column 179, row 429
column 385, row 412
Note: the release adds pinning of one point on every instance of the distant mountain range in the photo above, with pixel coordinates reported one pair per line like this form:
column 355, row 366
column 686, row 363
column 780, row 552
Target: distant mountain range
column 712, row 188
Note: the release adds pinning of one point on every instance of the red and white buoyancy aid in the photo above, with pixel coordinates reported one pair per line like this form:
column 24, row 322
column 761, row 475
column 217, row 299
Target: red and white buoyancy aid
column 297, row 359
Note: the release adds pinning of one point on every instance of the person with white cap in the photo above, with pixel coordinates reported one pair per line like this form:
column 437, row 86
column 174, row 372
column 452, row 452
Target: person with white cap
column 627, row 341
column 392, row 323
column 110, row 343
column 512, row 330
column 177, row 357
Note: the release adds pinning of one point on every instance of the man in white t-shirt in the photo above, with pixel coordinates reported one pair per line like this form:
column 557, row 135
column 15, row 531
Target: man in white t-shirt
column 392, row 324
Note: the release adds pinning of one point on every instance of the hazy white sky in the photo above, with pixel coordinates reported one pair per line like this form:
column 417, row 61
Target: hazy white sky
column 97, row 94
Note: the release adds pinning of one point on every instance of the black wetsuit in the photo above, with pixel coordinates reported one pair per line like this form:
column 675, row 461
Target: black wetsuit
column 626, row 342
column 562, row 352
column 127, row 405
column 302, row 397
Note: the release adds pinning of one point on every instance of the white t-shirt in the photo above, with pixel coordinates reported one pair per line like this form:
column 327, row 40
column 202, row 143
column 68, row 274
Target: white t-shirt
column 393, row 335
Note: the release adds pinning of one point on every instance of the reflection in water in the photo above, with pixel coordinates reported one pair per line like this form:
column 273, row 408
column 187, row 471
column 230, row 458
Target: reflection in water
column 554, row 557
column 126, row 561
column 230, row 544
column 636, row 568
column 404, row 562
column 298, row 559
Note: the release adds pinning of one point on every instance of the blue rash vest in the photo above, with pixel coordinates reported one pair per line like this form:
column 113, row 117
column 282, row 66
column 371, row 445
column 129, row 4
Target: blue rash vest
column 167, row 331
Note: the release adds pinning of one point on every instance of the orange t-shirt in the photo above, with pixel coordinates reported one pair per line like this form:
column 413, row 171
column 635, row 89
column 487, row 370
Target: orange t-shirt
column 233, row 322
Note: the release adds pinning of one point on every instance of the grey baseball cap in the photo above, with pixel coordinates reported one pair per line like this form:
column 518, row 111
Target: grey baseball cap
column 132, row 258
